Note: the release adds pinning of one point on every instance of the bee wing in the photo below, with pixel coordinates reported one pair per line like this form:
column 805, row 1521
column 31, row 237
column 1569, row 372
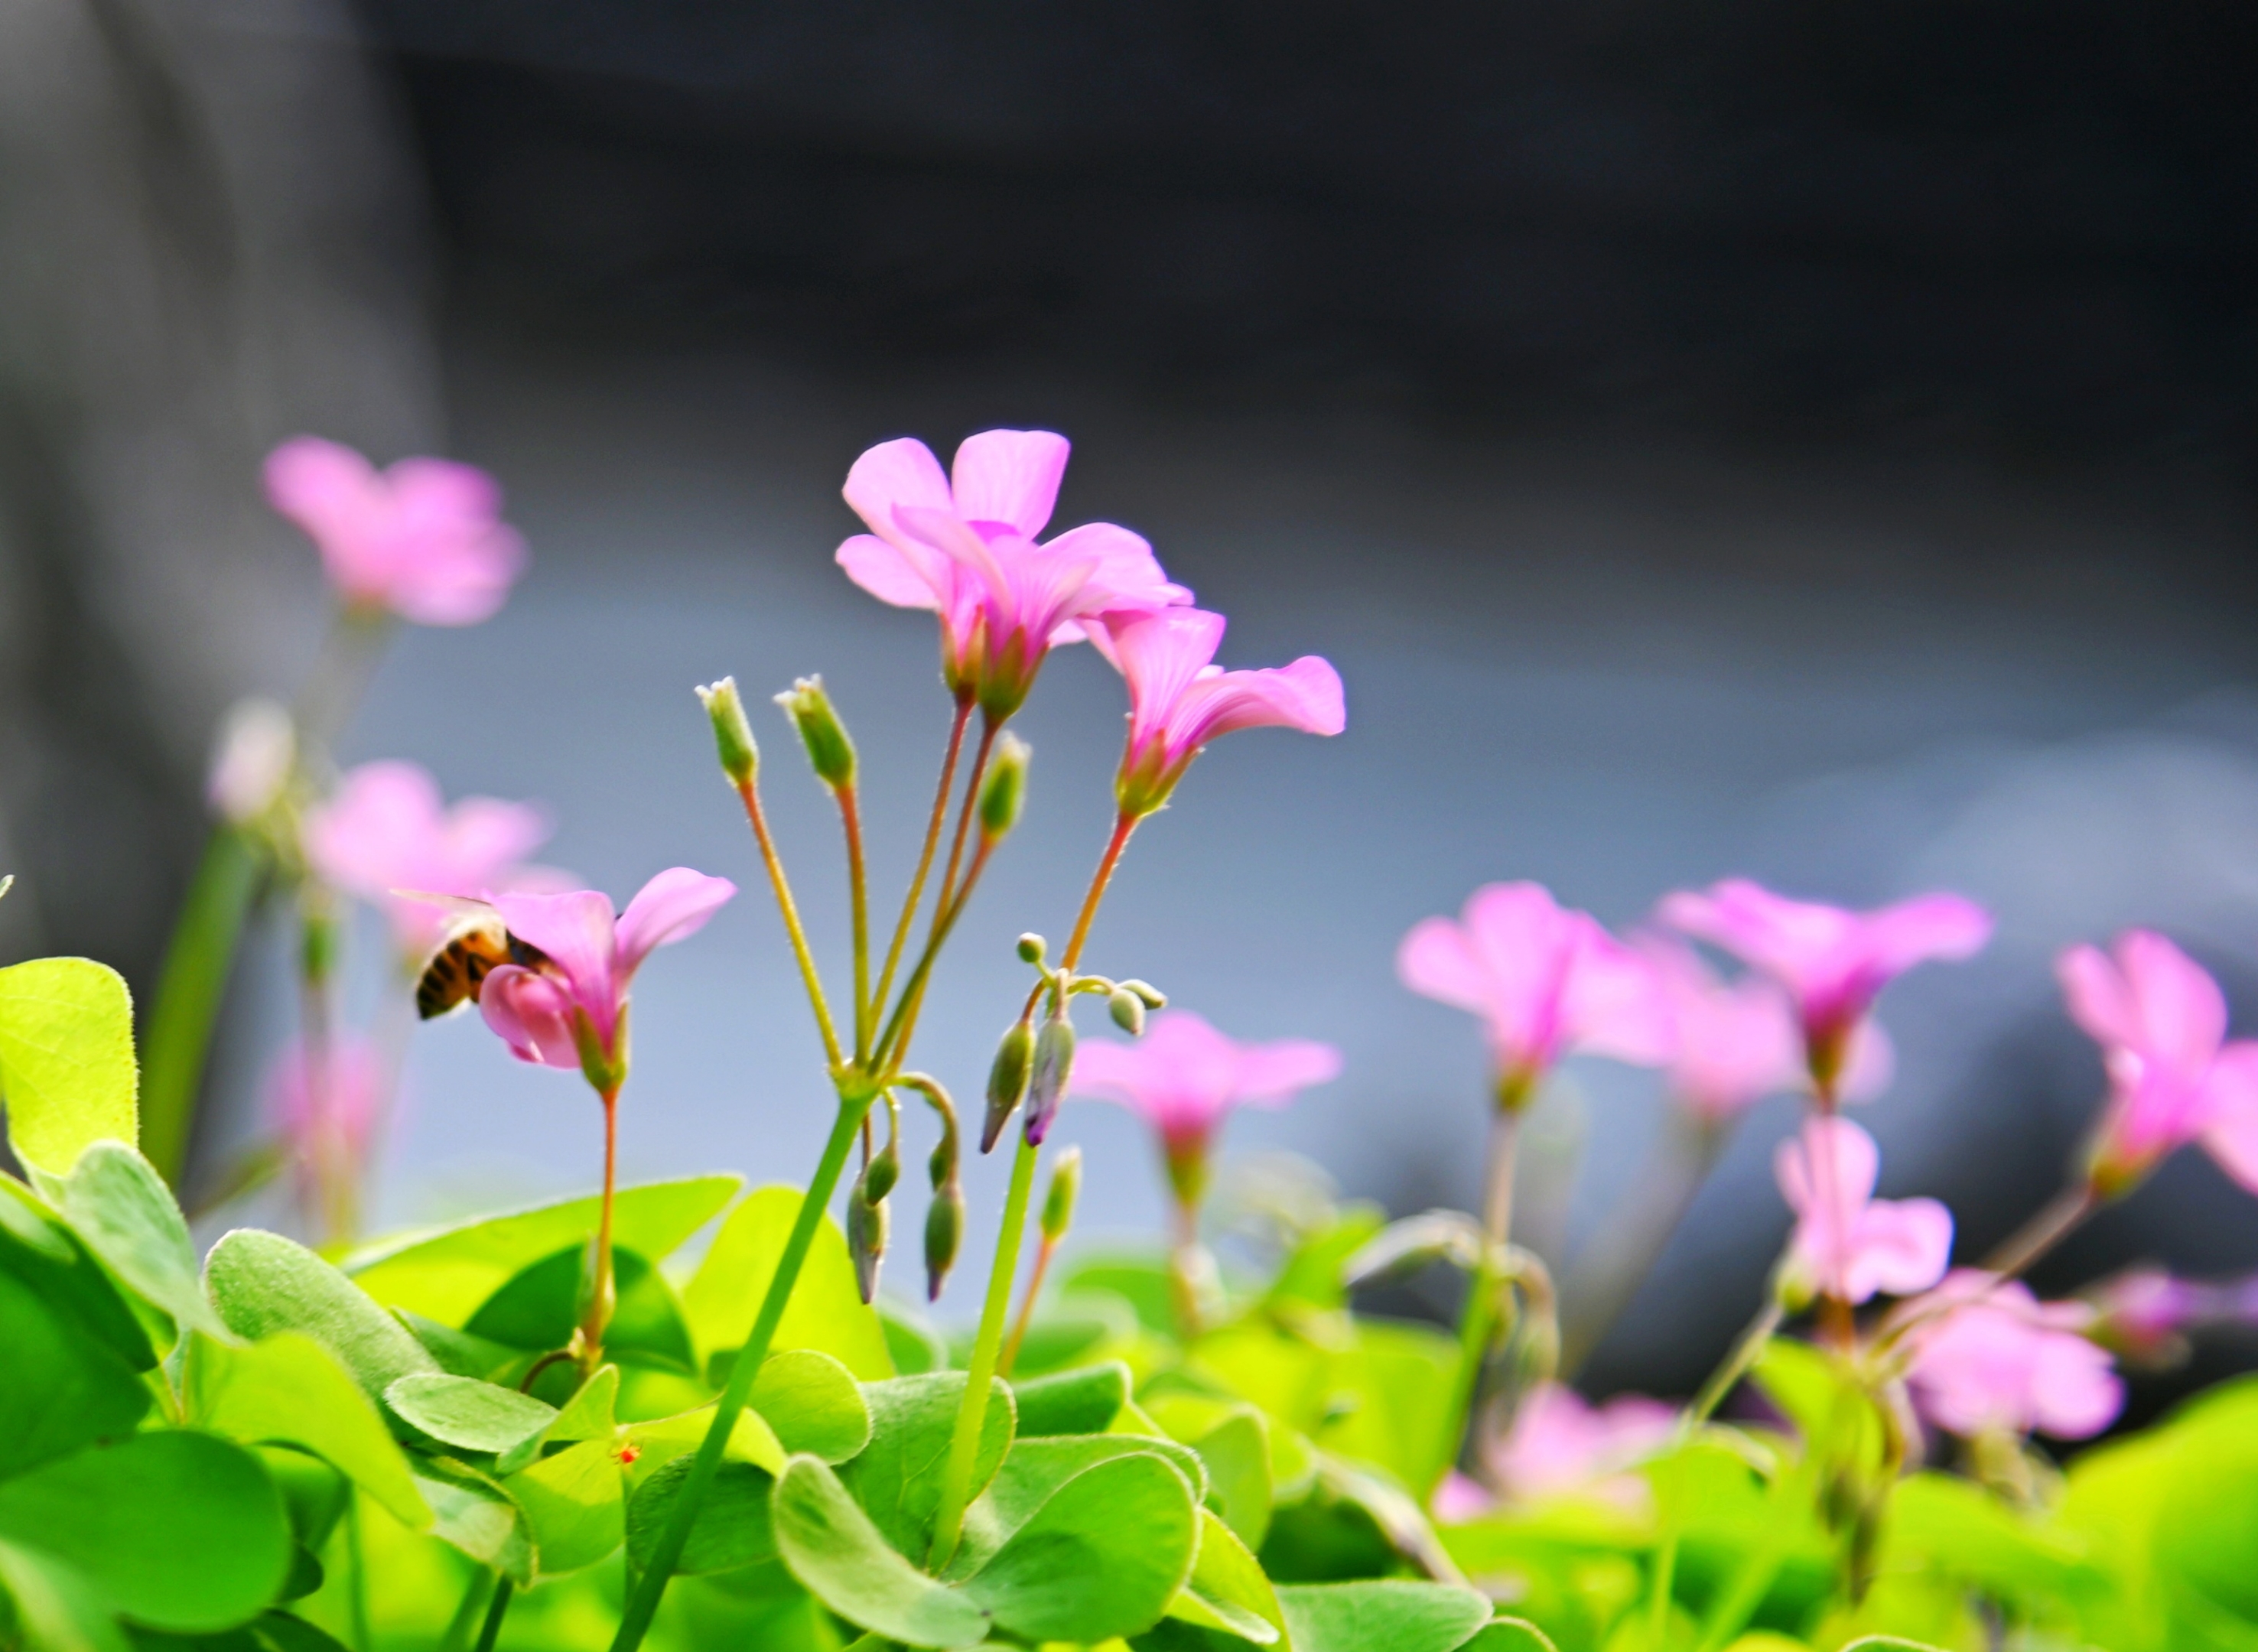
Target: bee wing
column 461, row 905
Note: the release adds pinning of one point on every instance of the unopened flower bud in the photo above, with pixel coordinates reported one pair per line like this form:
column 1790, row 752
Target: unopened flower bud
column 733, row 735
column 1031, row 947
column 884, row 1170
column 1007, row 1081
column 1004, row 790
column 866, row 1238
column 1058, row 1199
column 944, row 1228
column 829, row 750
column 1046, row 1081
column 1128, row 1010
column 1152, row 996
column 250, row 759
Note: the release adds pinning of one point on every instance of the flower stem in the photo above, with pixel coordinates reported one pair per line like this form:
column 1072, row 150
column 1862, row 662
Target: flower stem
column 933, row 832
column 603, row 1294
column 988, row 729
column 491, row 1630
column 1045, row 1248
column 964, row 1444
column 1744, row 1355
column 177, row 1032
column 858, row 902
column 1478, row 1319
column 1122, row 827
column 642, row 1606
column 750, row 792
column 2056, row 1221
column 894, row 1042
column 1609, row 1272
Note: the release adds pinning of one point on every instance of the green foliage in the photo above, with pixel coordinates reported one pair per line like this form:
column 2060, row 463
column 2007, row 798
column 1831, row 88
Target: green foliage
column 897, row 1478
column 264, row 1284
column 1403, row 1617
column 118, row 1204
column 826, row 1312
column 834, row 1548
column 66, row 1071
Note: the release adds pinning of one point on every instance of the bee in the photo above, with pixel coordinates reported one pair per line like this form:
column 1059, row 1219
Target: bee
column 477, row 942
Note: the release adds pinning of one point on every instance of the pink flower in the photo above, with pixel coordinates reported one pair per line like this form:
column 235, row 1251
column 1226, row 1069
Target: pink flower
column 387, row 829
column 1832, row 962
column 1559, row 1443
column 1734, row 1043
column 1849, row 1245
column 1179, row 699
column 2002, row 1360
column 251, row 760
column 424, row 539
column 2142, row 1313
column 965, row 547
column 328, row 1109
column 1184, row 1076
column 1546, row 981
column 2161, row 1021
column 568, row 1010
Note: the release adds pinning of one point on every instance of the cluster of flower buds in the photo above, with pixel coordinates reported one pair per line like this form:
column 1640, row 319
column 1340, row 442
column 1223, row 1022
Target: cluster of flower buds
column 868, row 1221
column 1033, row 1064
column 944, row 1218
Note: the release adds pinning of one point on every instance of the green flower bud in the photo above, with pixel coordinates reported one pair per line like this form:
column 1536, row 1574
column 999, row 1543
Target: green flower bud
column 944, row 1228
column 1128, row 1010
column 1154, row 997
column 1007, row 1081
column 1054, row 1065
column 866, row 1239
column 829, row 750
column 1058, row 1199
column 1004, row 790
column 733, row 735
column 1031, row 947
column 884, row 1170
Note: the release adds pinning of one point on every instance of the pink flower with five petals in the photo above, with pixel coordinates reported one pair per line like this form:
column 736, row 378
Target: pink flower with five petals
column 1849, row 1245
column 964, row 545
column 1179, row 698
column 1183, row 1077
column 570, row 1009
column 424, row 539
column 2161, row 1021
column 388, row 829
column 1832, row 962
column 1546, row 981
column 2002, row 1361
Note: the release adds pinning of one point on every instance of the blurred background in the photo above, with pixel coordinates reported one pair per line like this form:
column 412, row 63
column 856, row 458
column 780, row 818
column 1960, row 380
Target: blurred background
column 1812, row 442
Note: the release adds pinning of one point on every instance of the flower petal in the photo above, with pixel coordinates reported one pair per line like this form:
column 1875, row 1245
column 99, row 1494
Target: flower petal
column 576, row 930
column 902, row 473
column 1271, row 1075
column 1899, row 1245
column 2231, row 1101
column 888, row 572
column 1010, row 477
column 1435, row 962
column 672, row 907
column 2181, row 1011
column 1305, row 694
column 532, row 1014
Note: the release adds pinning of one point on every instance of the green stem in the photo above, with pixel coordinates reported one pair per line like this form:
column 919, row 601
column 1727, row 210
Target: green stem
column 964, row 1444
column 1478, row 1319
column 750, row 794
column 642, row 1606
column 357, row 1585
column 933, row 830
column 176, row 1035
column 1723, row 1379
column 456, row 1636
column 858, row 902
column 490, row 1630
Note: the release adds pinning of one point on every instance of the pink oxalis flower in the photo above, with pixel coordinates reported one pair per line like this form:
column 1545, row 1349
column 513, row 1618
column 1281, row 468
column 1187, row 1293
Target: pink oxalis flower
column 1849, row 1245
column 1546, row 981
column 424, row 539
column 1561, row 1444
column 1183, row 1077
column 387, row 829
column 1832, row 962
column 327, row 1109
column 570, row 1009
column 2002, row 1361
column 2161, row 1021
column 2143, row 1314
column 1179, row 698
column 963, row 544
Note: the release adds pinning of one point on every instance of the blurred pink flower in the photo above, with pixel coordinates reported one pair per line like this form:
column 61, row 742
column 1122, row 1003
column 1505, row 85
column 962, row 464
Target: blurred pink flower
column 2142, row 1313
column 424, row 539
column 1833, row 962
column 328, row 1111
column 1559, row 1443
column 251, row 760
column 1184, row 1076
column 964, row 545
column 1848, row 1243
column 2002, row 1360
column 1734, row 1043
column 387, row 829
column 2161, row 1021
column 1179, row 699
column 577, row 997
column 1459, row 1497
column 1547, row 982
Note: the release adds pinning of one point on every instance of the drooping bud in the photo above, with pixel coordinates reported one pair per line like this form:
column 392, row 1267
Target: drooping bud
column 944, row 1230
column 733, row 735
column 1031, row 947
column 1004, row 791
column 1152, row 996
column 1059, row 1198
column 1007, row 1081
column 829, row 751
column 1128, row 1010
column 884, row 1170
column 1047, row 1080
column 866, row 1237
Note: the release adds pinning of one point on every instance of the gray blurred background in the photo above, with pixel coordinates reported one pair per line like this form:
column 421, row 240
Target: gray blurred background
column 1809, row 442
